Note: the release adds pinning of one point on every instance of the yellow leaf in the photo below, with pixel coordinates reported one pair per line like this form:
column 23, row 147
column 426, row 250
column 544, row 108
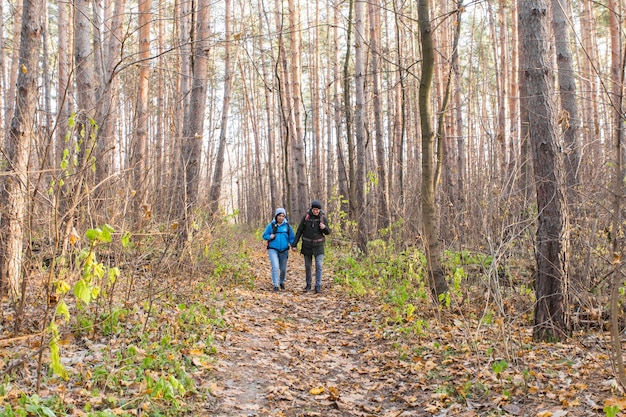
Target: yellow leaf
column 616, row 258
column 316, row 390
column 23, row 68
column 544, row 414
column 74, row 236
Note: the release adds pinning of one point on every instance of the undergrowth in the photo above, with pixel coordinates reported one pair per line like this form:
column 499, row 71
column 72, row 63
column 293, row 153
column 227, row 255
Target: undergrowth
column 149, row 335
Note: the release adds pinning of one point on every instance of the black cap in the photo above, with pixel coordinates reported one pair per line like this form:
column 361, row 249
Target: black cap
column 316, row 204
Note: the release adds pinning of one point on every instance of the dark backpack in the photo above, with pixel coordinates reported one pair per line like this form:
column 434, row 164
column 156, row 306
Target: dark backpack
column 274, row 230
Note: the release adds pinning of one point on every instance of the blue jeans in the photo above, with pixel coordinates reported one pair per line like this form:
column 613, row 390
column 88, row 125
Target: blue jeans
column 308, row 263
column 278, row 260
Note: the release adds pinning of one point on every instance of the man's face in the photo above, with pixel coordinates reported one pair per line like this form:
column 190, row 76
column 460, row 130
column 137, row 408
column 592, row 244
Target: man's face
column 315, row 211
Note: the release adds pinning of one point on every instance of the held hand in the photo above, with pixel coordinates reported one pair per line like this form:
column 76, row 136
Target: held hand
column 272, row 236
column 322, row 226
column 293, row 248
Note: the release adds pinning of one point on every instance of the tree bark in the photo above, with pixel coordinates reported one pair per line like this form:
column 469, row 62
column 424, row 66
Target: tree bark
column 617, row 100
column 569, row 117
column 358, row 204
column 140, row 148
column 381, row 160
column 216, row 182
column 430, row 221
column 193, row 126
column 552, row 281
column 15, row 192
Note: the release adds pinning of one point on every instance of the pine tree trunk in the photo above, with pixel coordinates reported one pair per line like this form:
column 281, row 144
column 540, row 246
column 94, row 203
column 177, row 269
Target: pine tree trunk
column 551, row 282
column 15, row 191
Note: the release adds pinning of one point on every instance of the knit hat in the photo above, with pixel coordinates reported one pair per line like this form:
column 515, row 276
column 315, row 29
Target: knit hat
column 280, row 210
column 316, row 204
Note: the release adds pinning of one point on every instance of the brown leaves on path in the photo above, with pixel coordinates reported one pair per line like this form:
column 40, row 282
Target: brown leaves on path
column 293, row 353
column 303, row 354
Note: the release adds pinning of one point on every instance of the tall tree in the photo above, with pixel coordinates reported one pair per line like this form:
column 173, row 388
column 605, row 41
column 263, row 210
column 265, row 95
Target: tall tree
column 341, row 169
column 552, row 281
column 358, row 201
column 140, row 146
column 193, row 125
column 617, row 104
column 295, row 60
column 430, row 218
column 381, row 161
column 112, row 49
column 569, row 118
column 22, row 132
column 63, row 77
column 216, row 182
column 13, row 69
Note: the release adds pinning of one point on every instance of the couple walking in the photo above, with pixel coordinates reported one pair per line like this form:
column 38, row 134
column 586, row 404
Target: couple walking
column 279, row 235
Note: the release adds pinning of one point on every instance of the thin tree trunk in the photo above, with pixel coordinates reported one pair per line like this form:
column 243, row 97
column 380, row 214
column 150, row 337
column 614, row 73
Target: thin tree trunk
column 342, row 173
column 216, row 182
column 358, row 181
column 299, row 159
column 381, row 161
column 347, row 106
column 193, row 126
column 617, row 101
column 13, row 71
column 569, row 119
column 430, row 219
column 140, row 148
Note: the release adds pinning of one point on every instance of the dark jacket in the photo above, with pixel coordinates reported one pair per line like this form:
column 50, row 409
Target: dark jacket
column 313, row 238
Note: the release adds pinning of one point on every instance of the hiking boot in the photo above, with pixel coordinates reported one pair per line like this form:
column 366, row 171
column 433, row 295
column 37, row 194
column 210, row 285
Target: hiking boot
column 282, row 287
column 275, row 289
column 307, row 288
column 318, row 289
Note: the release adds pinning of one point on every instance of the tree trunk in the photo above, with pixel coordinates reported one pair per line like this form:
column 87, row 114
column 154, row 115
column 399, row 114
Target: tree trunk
column 193, row 126
column 569, row 118
column 13, row 71
column 216, row 182
column 381, row 161
column 299, row 160
column 358, row 204
column 430, row 219
column 140, row 148
column 342, row 170
column 551, row 282
column 617, row 99
column 15, row 191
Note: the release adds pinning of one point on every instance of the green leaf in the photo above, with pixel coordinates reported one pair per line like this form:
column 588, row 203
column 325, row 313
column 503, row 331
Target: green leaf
column 63, row 310
column 113, row 274
column 82, row 291
column 125, row 239
column 93, row 234
column 107, row 232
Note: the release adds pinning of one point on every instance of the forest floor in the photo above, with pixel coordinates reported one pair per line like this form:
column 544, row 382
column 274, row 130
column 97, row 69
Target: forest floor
column 303, row 354
column 291, row 354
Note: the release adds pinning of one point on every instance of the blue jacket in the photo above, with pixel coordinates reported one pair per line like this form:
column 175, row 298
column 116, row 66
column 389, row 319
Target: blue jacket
column 284, row 236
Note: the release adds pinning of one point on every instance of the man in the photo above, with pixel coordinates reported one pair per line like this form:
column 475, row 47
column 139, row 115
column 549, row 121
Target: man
column 313, row 229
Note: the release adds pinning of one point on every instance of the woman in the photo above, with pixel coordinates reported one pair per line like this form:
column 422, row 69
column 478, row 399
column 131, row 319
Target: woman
column 279, row 236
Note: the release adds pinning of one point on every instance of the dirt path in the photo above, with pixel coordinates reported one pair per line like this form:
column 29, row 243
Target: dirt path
column 296, row 354
column 303, row 354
